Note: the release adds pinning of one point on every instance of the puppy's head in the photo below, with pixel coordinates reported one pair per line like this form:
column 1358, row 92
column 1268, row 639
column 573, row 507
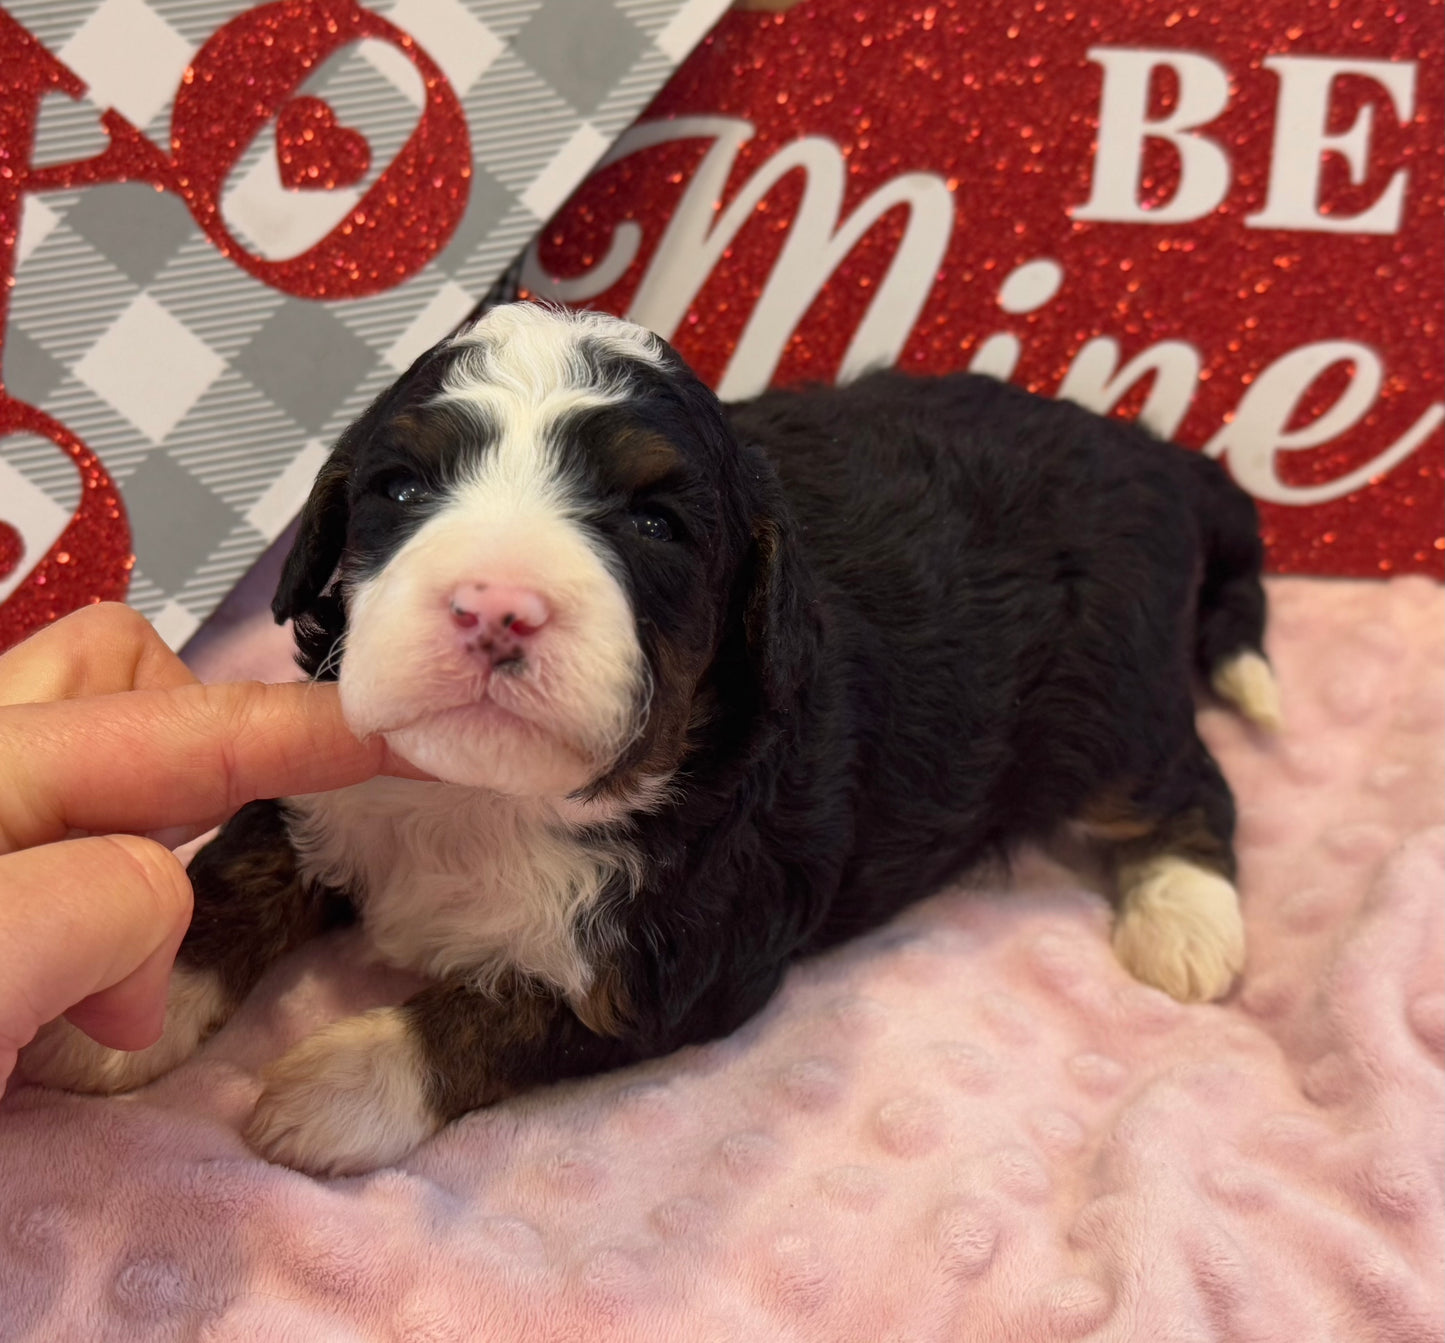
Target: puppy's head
column 522, row 561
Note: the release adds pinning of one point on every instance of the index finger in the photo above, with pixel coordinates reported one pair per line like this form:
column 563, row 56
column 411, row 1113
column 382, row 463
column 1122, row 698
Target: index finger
column 187, row 756
column 94, row 651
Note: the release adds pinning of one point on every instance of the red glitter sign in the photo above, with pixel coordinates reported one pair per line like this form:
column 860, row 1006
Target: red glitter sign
column 245, row 75
column 1225, row 218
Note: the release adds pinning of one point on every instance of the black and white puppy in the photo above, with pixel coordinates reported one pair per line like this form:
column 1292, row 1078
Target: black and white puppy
column 706, row 690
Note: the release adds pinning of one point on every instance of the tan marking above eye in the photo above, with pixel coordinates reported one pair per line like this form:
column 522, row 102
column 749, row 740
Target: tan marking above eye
column 644, row 459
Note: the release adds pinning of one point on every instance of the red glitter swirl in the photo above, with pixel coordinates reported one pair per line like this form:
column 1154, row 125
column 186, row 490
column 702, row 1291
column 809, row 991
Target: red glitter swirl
column 12, row 550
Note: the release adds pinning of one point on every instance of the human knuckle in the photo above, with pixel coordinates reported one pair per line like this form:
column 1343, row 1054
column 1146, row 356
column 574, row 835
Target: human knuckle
column 160, row 876
column 114, row 619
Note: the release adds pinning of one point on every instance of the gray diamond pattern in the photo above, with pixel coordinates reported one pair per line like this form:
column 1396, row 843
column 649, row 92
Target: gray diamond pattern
column 137, row 227
column 176, row 521
column 486, row 207
column 30, row 372
column 581, row 47
column 306, row 361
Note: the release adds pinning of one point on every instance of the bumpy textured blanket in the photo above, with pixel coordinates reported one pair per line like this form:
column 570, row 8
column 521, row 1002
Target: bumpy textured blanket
column 970, row 1125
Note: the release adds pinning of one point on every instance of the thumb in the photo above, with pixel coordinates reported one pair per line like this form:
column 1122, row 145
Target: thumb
column 89, row 928
column 131, row 1014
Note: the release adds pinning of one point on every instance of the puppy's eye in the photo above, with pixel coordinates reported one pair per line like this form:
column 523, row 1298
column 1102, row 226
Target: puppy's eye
column 652, row 525
column 405, row 490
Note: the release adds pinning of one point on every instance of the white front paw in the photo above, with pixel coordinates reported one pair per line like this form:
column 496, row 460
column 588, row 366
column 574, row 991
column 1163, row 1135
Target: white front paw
column 348, row 1099
column 1179, row 928
column 62, row 1056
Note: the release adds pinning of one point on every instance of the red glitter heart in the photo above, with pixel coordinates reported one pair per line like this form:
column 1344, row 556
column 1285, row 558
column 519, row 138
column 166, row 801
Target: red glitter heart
column 313, row 152
column 12, row 550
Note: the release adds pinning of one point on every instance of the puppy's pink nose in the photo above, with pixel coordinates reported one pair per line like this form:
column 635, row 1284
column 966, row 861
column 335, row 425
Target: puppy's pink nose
column 494, row 609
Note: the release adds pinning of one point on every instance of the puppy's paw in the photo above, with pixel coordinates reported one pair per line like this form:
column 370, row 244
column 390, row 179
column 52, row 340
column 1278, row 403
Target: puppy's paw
column 1179, row 928
column 1247, row 681
column 62, row 1056
column 348, row 1099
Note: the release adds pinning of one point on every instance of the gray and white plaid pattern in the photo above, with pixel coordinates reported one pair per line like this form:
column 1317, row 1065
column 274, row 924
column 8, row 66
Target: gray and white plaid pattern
column 211, row 397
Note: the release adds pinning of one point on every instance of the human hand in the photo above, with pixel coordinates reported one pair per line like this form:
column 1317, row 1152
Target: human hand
column 105, row 733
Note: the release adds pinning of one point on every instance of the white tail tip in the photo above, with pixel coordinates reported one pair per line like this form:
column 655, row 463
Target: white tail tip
column 1247, row 682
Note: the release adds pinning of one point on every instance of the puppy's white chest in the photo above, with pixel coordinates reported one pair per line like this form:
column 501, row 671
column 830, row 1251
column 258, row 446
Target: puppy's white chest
column 455, row 881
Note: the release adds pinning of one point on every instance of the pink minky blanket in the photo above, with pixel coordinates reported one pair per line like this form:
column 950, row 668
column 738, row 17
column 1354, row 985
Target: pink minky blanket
column 970, row 1125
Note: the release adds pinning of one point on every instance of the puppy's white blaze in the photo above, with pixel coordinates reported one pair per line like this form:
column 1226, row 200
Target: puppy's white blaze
column 349, row 1098
column 1247, row 682
column 62, row 1056
column 535, row 344
column 1179, row 928
column 453, row 880
column 528, row 372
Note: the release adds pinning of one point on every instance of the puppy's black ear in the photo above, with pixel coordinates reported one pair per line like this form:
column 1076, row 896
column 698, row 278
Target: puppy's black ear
column 320, row 539
column 779, row 616
column 301, row 596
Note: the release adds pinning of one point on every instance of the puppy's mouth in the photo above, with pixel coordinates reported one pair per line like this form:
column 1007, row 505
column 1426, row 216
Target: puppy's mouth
column 481, row 711
column 485, row 714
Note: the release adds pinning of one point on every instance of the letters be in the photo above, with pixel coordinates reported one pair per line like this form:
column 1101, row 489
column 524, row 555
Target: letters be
column 1301, row 140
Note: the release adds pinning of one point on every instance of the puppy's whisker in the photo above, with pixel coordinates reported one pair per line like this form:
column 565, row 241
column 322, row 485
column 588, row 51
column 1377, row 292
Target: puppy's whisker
column 332, row 661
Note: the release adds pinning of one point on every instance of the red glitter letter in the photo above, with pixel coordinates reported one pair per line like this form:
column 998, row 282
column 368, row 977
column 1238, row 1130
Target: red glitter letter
column 91, row 559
